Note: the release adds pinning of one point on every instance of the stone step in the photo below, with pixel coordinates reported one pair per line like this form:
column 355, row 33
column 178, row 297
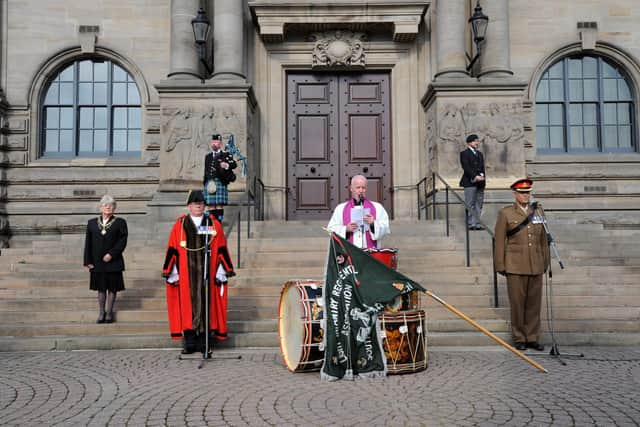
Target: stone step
column 312, row 259
column 235, row 312
column 436, row 311
column 559, row 301
column 236, row 298
column 272, row 286
column 253, row 277
column 111, row 342
column 144, row 260
column 27, row 305
column 90, row 328
column 271, row 341
column 47, row 323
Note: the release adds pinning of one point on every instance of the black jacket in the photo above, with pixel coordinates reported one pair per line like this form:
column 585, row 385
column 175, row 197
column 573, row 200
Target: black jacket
column 97, row 245
column 212, row 167
column 472, row 166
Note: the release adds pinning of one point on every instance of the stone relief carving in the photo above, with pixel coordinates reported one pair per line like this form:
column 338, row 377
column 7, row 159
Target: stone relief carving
column 430, row 135
column 187, row 132
column 452, row 126
column 499, row 126
column 338, row 49
column 494, row 122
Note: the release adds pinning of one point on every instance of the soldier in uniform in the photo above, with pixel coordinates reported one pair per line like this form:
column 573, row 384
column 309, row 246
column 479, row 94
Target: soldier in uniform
column 218, row 173
column 522, row 255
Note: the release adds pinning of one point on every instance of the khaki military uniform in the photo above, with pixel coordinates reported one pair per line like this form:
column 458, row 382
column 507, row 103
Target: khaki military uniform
column 523, row 258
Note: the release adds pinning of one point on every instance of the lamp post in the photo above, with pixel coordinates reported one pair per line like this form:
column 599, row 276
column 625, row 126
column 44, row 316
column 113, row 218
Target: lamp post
column 478, row 23
column 201, row 27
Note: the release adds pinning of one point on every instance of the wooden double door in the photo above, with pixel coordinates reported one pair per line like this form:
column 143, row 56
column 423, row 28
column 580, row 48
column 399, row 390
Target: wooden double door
column 338, row 126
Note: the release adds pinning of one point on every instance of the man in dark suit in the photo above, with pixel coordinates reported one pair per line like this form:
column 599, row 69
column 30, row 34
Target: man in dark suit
column 473, row 180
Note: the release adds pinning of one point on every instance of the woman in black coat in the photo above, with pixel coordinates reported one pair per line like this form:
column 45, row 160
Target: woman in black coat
column 105, row 241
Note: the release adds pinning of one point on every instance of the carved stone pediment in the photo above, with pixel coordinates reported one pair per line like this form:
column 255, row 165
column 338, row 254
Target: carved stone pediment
column 338, row 49
column 273, row 17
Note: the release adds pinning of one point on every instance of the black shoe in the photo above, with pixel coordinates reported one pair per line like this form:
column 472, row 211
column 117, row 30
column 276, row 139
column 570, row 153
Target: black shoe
column 520, row 346
column 478, row 227
column 108, row 318
column 100, row 318
column 535, row 345
column 186, row 350
column 189, row 343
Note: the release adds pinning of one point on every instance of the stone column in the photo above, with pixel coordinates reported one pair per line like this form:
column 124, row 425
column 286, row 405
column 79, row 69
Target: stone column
column 228, row 39
column 184, row 62
column 495, row 60
column 450, row 32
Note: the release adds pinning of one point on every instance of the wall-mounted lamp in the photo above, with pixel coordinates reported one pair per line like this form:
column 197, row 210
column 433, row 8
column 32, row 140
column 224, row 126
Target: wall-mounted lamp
column 478, row 23
column 201, row 27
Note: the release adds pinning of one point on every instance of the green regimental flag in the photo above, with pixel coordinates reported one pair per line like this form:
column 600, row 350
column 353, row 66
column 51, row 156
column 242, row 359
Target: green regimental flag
column 357, row 287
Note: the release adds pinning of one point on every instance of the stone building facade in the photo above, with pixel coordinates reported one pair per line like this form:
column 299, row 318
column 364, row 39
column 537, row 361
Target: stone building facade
column 112, row 97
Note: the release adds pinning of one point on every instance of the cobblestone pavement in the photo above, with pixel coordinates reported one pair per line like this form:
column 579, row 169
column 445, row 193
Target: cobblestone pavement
column 474, row 387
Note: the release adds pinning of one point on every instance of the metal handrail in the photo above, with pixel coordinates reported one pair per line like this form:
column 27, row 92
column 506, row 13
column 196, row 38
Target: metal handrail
column 416, row 187
column 229, row 229
column 258, row 184
column 259, row 206
column 467, row 211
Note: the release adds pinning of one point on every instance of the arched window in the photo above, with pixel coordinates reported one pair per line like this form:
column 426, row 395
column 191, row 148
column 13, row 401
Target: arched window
column 91, row 109
column 585, row 104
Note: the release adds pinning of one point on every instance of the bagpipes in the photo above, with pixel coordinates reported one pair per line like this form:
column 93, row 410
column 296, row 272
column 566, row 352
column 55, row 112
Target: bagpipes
column 227, row 175
column 235, row 151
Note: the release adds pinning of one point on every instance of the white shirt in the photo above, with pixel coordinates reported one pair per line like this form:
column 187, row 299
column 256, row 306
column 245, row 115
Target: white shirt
column 380, row 225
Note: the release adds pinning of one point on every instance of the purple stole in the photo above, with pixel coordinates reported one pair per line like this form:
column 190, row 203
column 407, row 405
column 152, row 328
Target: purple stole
column 346, row 219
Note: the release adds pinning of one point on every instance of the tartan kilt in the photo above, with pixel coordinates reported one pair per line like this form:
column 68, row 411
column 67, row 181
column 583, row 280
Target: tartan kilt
column 220, row 197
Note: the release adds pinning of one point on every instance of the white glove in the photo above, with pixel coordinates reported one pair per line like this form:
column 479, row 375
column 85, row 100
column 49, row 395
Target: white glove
column 221, row 274
column 173, row 278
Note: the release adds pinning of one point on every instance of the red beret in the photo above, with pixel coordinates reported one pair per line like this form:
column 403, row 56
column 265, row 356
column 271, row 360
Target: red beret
column 522, row 185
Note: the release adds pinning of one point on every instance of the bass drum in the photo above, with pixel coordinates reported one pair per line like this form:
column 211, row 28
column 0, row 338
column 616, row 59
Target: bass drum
column 404, row 341
column 300, row 325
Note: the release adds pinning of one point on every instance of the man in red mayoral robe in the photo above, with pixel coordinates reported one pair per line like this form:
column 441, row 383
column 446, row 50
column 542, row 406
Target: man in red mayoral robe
column 184, row 272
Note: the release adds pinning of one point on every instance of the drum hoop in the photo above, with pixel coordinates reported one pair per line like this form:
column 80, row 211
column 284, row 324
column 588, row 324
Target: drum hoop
column 304, row 305
column 382, row 250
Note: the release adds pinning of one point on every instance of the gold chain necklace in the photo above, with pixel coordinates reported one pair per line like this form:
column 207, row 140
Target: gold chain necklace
column 105, row 227
column 183, row 241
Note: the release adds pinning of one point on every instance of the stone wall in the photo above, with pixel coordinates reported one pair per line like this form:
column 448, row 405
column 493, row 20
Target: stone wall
column 57, row 195
column 589, row 186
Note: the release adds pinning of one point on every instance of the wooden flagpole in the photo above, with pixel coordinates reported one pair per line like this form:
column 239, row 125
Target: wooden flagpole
column 485, row 331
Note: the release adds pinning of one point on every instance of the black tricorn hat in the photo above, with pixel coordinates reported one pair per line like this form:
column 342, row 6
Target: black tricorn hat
column 195, row 196
column 472, row 138
column 216, row 136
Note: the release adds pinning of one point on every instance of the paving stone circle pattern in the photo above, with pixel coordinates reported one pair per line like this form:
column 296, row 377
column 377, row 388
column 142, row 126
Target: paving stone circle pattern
column 460, row 388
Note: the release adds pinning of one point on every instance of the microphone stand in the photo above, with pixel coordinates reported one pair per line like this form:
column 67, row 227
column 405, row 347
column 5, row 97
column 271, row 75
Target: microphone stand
column 363, row 240
column 555, row 350
column 206, row 353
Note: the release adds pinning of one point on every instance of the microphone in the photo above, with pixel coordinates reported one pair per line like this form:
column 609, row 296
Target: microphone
column 533, row 203
column 361, row 199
